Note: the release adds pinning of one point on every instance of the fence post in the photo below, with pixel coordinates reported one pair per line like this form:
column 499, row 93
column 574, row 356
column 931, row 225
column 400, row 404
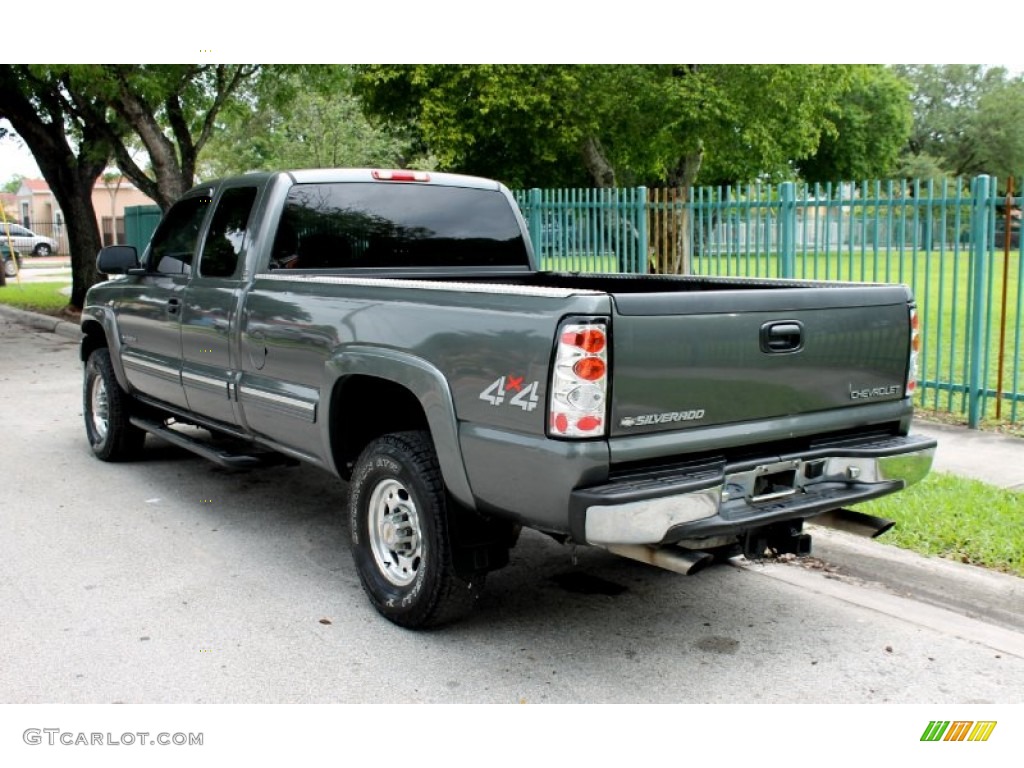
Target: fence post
column 787, row 226
column 978, row 278
column 640, row 211
column 535, row 225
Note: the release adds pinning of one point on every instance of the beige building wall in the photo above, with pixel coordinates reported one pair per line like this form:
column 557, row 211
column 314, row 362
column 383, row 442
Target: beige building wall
column 109, row 201
column 37, row 209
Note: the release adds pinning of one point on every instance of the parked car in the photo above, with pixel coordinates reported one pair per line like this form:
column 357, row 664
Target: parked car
column 27, row 241
column 11, row 259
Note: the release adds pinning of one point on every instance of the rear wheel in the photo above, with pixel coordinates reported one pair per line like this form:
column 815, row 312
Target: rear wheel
column 399, row 528
column 42, row 250
column 106, row 407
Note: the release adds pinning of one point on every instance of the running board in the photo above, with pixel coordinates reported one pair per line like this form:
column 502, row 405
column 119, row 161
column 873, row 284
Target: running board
column 221, row 456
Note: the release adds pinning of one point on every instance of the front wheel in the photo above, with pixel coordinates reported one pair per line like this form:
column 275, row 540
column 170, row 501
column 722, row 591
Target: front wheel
column 399, row 528
column 106, row 407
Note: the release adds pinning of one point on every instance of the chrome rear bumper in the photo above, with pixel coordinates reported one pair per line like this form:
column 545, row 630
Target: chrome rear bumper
column 711, row 500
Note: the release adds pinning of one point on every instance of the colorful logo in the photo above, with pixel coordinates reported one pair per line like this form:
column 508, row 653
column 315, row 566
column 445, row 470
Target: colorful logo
column 958, row 730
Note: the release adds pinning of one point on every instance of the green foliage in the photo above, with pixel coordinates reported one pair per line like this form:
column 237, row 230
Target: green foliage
column 923, row 166
column 872, row 122
column 956, row 518
column 968, row 116
column 997, row 129
column 303, row 117
column 528, row 125
column 758, row 121
column 522, row 124
column 13, row 184
column 165, row 113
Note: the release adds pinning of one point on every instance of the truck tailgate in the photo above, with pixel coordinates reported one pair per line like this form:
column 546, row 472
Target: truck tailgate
column 688, row 360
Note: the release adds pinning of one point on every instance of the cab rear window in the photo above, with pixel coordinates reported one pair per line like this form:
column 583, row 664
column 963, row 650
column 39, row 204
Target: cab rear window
column 357, row 225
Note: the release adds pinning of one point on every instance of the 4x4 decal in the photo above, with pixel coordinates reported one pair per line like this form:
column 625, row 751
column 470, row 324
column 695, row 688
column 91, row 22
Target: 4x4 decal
column 525, row 396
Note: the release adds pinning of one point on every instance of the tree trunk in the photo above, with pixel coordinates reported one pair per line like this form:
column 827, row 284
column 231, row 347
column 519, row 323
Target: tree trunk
column 683, row 176
column 597, row 165
column 71, row 177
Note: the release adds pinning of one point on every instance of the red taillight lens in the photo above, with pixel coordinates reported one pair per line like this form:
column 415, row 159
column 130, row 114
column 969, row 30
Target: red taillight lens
column 589, row 368
column 590, row 340
column 588, row 423
column 915, row 349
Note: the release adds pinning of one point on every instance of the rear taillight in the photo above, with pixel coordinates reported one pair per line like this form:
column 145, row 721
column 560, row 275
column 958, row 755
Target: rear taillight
column 579, row 380
column 915, row 348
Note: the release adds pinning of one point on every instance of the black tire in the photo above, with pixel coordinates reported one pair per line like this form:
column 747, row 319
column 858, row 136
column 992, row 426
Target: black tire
column 107, row 407
column 399, row 531
column 10, row 268
column 42, row 249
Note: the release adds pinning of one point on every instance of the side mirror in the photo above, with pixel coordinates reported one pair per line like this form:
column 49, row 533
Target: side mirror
column 117, row 259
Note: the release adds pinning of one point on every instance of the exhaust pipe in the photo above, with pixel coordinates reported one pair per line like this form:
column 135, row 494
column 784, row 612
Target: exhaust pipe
column 676, row 559
column 854, row 522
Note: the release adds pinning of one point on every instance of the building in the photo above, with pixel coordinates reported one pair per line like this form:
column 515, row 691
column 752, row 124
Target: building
column 37, row 209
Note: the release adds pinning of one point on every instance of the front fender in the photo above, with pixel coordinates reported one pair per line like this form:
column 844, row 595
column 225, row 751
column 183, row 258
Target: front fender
column 102, row 321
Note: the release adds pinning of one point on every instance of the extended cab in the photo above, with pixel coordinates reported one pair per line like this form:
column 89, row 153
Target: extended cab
column 391, row 327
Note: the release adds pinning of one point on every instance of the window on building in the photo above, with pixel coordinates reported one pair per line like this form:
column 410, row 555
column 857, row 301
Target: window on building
column 107, row 230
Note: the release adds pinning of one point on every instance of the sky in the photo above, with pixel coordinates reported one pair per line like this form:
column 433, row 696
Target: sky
column 531, row 31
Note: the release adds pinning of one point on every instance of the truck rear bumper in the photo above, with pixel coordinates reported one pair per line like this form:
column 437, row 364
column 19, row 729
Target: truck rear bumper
column 720, row 499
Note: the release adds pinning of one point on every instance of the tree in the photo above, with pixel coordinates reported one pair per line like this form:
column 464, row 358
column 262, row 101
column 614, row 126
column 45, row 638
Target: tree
column 303, row 117
column 603, row 125
column 522, row 124
column 996, row 129
column 169, row 110
column 75, row 117
column 967, row 116
column 871, row 124
column 13, row 184
column 552, row 125
column 70, row 154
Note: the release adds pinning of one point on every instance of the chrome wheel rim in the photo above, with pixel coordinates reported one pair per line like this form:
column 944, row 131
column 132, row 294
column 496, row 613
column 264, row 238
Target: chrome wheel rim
column 395, row 534
column 99, row 408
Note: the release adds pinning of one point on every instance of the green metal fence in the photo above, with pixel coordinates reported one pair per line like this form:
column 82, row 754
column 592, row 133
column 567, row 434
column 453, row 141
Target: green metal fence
column 955, row 243
column 587, row 230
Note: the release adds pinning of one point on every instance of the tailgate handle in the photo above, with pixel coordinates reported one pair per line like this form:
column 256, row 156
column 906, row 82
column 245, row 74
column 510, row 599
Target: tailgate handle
column 780, row 337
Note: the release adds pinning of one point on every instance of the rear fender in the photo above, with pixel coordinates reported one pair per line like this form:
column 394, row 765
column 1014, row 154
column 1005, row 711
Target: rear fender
column 430, row 388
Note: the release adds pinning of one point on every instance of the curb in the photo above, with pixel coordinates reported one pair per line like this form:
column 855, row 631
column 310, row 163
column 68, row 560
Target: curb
column 42, row 322
column 989, row 596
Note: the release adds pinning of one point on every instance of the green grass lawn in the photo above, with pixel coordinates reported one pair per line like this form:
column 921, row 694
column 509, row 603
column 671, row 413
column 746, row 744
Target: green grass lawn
column 959, row 519
column 40, row 297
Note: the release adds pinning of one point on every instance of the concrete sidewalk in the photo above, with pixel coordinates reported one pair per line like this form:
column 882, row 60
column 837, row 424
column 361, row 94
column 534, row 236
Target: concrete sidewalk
column 993, row 458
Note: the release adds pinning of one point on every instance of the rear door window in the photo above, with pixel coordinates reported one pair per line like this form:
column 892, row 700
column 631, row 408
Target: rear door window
column 226, row 237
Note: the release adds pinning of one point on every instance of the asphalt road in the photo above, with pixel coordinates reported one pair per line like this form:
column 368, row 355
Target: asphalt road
column 171, row 580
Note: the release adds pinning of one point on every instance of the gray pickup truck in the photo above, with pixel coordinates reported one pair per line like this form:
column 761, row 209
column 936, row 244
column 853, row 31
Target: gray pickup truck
column 392, row 328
